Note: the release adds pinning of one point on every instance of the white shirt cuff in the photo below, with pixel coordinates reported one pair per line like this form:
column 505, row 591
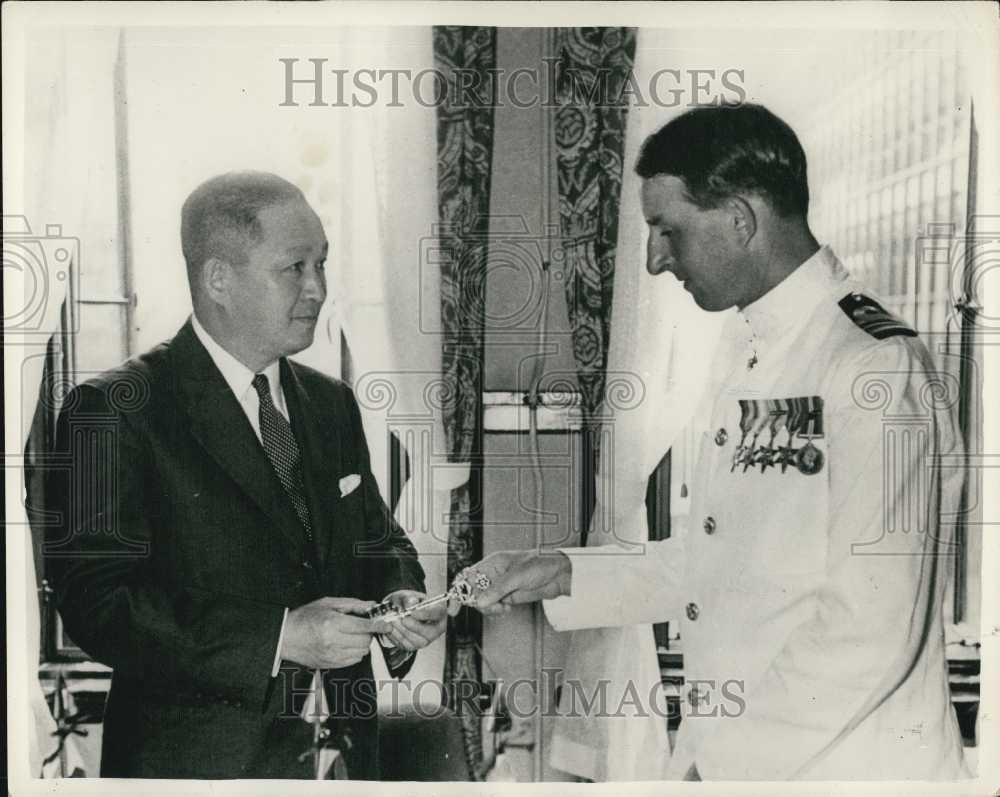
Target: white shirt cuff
column 277, row 653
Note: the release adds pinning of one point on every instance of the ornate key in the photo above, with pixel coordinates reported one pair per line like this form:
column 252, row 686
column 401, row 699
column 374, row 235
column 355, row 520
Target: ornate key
column 466, row 586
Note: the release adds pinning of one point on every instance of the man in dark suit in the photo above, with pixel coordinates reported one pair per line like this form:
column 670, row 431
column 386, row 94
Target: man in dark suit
column 217, row 536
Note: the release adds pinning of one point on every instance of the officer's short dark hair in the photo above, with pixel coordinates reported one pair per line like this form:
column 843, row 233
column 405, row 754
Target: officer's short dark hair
column 726, row 150
column 219, row 218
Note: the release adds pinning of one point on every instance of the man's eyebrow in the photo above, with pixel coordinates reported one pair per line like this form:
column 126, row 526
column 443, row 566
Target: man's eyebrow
column 295, row 249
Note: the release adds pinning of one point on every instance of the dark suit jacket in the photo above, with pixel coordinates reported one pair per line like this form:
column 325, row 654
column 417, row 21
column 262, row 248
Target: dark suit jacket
column 174, row 550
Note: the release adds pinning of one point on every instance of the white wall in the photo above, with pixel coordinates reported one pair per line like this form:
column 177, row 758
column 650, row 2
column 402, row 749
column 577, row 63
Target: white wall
column 201, row 103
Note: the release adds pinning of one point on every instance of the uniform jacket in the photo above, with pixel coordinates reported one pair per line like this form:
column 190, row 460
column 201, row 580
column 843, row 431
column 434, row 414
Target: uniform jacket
column 173, row 552
column 809, row 585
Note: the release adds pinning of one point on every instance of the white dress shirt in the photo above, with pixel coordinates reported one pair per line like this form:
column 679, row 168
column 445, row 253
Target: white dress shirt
column 240, row 378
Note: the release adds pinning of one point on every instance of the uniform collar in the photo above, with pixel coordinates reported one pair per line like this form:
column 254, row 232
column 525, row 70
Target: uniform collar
column 791, row 301
column 237, row 375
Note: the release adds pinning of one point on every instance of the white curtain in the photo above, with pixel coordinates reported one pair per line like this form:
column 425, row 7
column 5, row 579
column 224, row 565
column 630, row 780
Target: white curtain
column 652, row 320
column 66, row 202
column 386, row 294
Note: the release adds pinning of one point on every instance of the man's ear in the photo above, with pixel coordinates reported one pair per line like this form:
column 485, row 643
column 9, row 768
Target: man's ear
column 743, row 217
column 216, row 276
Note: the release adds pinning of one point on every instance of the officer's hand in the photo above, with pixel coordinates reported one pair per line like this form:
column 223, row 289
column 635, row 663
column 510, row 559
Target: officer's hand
column 417, row 630
column 521, row 577
column 328, row 633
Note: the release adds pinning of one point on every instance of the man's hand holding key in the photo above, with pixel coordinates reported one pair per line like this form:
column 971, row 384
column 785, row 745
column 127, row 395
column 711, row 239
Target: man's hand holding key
column 409, row 619
column 329, row 633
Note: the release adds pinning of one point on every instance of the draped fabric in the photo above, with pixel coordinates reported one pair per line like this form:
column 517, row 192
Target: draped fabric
column 68, row 99
column 593, row 68
column 465, row 148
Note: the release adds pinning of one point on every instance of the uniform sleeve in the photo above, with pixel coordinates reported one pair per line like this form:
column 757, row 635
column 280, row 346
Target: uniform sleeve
column 884, row 575
column 612, row 585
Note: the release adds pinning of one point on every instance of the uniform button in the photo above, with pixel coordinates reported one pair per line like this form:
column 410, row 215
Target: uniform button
column 307, row 565
column 721, row 437
column 708, row 524
column 692, row 611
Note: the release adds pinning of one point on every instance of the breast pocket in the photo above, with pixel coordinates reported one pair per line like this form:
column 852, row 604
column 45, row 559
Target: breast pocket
column 348, row 484
column 779, row 435
column 780, row 471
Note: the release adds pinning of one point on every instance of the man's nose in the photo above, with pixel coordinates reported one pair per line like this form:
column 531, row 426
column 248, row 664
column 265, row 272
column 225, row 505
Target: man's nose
column 657, row 259
column 314, row 285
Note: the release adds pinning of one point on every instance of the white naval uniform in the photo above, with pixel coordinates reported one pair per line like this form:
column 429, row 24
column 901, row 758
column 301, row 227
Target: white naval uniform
column 810, row 604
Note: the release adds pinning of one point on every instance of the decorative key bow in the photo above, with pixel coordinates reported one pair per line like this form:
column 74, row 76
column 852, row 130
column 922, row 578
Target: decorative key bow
column 467, row 585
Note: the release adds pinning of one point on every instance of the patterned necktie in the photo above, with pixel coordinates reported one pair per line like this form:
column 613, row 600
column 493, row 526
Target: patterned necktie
column 283, row 452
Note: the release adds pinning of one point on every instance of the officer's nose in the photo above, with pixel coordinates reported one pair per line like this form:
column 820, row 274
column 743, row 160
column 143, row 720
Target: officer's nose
column 658, row 258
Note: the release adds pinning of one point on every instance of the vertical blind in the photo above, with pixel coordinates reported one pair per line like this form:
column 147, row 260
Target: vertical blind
column 889, row 162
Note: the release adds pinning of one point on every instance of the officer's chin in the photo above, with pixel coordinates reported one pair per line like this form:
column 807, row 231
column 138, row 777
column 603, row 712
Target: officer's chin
column 696, row 297
column 709, row 304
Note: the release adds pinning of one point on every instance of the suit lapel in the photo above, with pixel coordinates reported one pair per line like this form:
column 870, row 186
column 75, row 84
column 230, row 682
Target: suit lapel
column 318, row 438
column 221, row 427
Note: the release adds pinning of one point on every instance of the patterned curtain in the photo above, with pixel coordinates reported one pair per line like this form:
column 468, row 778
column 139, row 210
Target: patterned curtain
column 465, row 153
column 593, row 68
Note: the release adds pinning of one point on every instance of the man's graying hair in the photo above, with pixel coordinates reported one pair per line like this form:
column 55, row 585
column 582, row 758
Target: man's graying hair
column 219, row 218
column 723, row 151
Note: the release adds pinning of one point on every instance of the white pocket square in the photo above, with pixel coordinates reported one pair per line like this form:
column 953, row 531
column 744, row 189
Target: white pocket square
column 349, row 484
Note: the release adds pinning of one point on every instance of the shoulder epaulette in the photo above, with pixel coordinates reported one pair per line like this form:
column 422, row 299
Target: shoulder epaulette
column 873, row 318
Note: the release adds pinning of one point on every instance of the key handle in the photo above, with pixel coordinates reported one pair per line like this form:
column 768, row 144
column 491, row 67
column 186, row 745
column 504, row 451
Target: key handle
column 467, row 584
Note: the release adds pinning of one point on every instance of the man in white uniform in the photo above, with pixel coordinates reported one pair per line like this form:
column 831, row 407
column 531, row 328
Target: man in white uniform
column 809, row 588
